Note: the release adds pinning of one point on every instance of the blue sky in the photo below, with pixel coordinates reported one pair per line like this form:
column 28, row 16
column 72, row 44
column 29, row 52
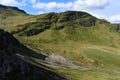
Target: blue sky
column 104, row 9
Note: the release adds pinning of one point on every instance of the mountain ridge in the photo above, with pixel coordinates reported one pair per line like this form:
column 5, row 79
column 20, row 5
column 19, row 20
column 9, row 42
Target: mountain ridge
column 58, row 21
column 10, row 8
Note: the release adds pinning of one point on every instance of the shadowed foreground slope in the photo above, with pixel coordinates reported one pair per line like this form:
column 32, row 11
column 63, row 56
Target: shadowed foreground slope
column 13, row 67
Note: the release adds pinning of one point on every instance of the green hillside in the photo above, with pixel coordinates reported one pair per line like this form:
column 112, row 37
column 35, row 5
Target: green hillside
column 12, row 16
column 78, row 36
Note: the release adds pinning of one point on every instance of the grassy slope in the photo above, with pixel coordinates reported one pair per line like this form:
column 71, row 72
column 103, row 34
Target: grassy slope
column 13, row 16
column 96, row 46
column 9, row 23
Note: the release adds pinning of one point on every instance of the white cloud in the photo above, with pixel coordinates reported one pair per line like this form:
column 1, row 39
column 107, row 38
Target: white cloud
column 75, row 5
column 115, row 19
column 53, row 5
column 10, row 2
column 13, row 2
column 33, row 1
column 90, row 4
column 23, row 3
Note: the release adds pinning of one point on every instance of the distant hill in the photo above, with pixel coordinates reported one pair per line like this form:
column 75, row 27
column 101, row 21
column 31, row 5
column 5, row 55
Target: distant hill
column 12, row 16
column 10, row 11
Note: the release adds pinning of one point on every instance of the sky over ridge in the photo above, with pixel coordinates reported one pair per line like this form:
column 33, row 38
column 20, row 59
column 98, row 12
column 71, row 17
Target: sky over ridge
column 105, row 9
